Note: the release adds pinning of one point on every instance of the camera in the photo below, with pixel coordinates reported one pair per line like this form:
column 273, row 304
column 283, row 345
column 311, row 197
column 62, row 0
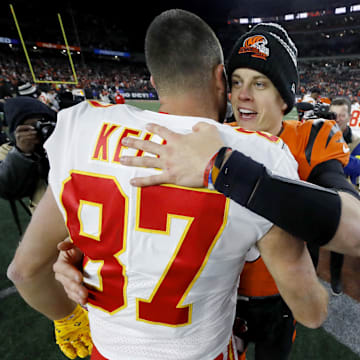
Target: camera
column 317, row 111
column 322, row 111
column 44, row 129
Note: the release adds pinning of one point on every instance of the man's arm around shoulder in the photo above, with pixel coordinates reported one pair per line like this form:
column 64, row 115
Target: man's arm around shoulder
column 346, row 238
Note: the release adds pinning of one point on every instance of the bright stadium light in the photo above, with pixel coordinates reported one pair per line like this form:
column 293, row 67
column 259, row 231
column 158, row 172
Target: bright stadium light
column 355, row 7
column 244, row 20
column 303, row 15
column 256, row 20
column 340, row 10
column 289, row 17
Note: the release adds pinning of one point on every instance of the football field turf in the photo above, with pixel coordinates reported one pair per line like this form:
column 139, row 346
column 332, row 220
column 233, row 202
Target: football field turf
column 27, row 335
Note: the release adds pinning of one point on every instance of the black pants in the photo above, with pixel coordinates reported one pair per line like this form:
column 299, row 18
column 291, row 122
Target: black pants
column 314, row 253
column 336, row 262
column 270, row 326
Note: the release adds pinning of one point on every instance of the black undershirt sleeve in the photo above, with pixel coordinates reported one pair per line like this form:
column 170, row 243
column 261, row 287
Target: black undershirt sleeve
column 330, row 174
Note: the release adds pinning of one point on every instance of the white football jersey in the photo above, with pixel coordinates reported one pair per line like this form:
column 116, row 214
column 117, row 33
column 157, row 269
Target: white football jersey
column 162, row 262
column 355, row 106
column 308, row 99
column 354, row 122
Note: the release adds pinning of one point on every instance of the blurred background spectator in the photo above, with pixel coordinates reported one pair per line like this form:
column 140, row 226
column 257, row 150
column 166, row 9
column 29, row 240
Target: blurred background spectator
column 24, row 164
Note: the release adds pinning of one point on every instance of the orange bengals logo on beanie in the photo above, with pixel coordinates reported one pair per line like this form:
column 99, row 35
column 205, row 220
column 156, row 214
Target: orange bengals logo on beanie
column 255, row 44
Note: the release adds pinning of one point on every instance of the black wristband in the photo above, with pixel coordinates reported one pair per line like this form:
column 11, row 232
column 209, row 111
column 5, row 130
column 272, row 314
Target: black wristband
column 307, row 211
column 238, row 177
column 220, row 156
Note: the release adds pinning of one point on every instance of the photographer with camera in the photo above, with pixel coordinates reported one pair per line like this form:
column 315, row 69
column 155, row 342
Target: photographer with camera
column 24, row 165
column 313, row 98
column 317, row 111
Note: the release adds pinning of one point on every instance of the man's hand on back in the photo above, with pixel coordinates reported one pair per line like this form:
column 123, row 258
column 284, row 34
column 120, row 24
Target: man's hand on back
column 183, row 158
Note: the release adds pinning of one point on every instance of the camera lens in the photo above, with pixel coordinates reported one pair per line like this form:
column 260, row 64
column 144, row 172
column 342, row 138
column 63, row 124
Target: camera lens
column 46, row 131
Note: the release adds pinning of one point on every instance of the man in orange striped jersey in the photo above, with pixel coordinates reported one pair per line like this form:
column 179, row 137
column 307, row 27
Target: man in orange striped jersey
column 263, row 91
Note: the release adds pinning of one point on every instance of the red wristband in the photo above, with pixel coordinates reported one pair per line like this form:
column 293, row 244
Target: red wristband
column 208, row 168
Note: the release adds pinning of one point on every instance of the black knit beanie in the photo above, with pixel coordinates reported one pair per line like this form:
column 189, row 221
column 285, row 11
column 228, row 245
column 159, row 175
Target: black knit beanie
column 20, row 108
column 267, row 48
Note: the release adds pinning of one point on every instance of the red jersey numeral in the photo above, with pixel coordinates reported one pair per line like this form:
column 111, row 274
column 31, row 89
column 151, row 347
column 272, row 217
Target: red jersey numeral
column 107, row 192
column 194, row 247
column 156, row 206
column 354, row 120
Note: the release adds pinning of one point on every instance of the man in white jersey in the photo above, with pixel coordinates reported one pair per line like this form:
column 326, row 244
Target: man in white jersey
column 162, row 263
column 312, row 98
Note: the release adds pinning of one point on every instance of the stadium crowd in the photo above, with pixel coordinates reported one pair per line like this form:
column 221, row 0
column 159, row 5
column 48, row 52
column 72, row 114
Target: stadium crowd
column 334, row 78
column 95, row 76
column 100, row 78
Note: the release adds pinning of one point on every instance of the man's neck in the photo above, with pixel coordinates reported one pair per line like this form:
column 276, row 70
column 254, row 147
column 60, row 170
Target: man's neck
column 188, row 105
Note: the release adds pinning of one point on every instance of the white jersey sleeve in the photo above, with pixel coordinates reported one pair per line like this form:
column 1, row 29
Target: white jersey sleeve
column 163, row 262
column 262, row 147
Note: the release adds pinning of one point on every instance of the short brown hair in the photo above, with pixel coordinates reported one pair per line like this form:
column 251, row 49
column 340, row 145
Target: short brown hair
column 339, row 101
column 181, row 51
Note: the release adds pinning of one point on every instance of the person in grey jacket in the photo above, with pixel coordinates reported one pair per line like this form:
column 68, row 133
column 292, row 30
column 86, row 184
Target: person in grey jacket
column 23, row 162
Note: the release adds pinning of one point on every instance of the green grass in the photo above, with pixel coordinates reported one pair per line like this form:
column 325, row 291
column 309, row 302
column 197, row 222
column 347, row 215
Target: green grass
column 292, row 115
column 27, row 335
column 9, row 238
column 24, row 333
column 145, row 104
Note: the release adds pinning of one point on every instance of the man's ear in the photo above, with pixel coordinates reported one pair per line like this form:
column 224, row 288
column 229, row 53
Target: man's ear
column 220, row 78
column 152, row 81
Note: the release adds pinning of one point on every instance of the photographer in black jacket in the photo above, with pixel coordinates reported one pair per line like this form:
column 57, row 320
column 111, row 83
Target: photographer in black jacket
column 23, row 162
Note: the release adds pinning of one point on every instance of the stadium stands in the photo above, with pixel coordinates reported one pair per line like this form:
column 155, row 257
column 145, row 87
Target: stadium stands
column 328, row 51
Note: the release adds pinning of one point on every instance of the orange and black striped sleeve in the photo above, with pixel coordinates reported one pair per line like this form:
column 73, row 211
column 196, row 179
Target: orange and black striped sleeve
column 314, row 142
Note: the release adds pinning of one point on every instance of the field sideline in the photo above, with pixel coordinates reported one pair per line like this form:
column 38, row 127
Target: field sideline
column 27, row 335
